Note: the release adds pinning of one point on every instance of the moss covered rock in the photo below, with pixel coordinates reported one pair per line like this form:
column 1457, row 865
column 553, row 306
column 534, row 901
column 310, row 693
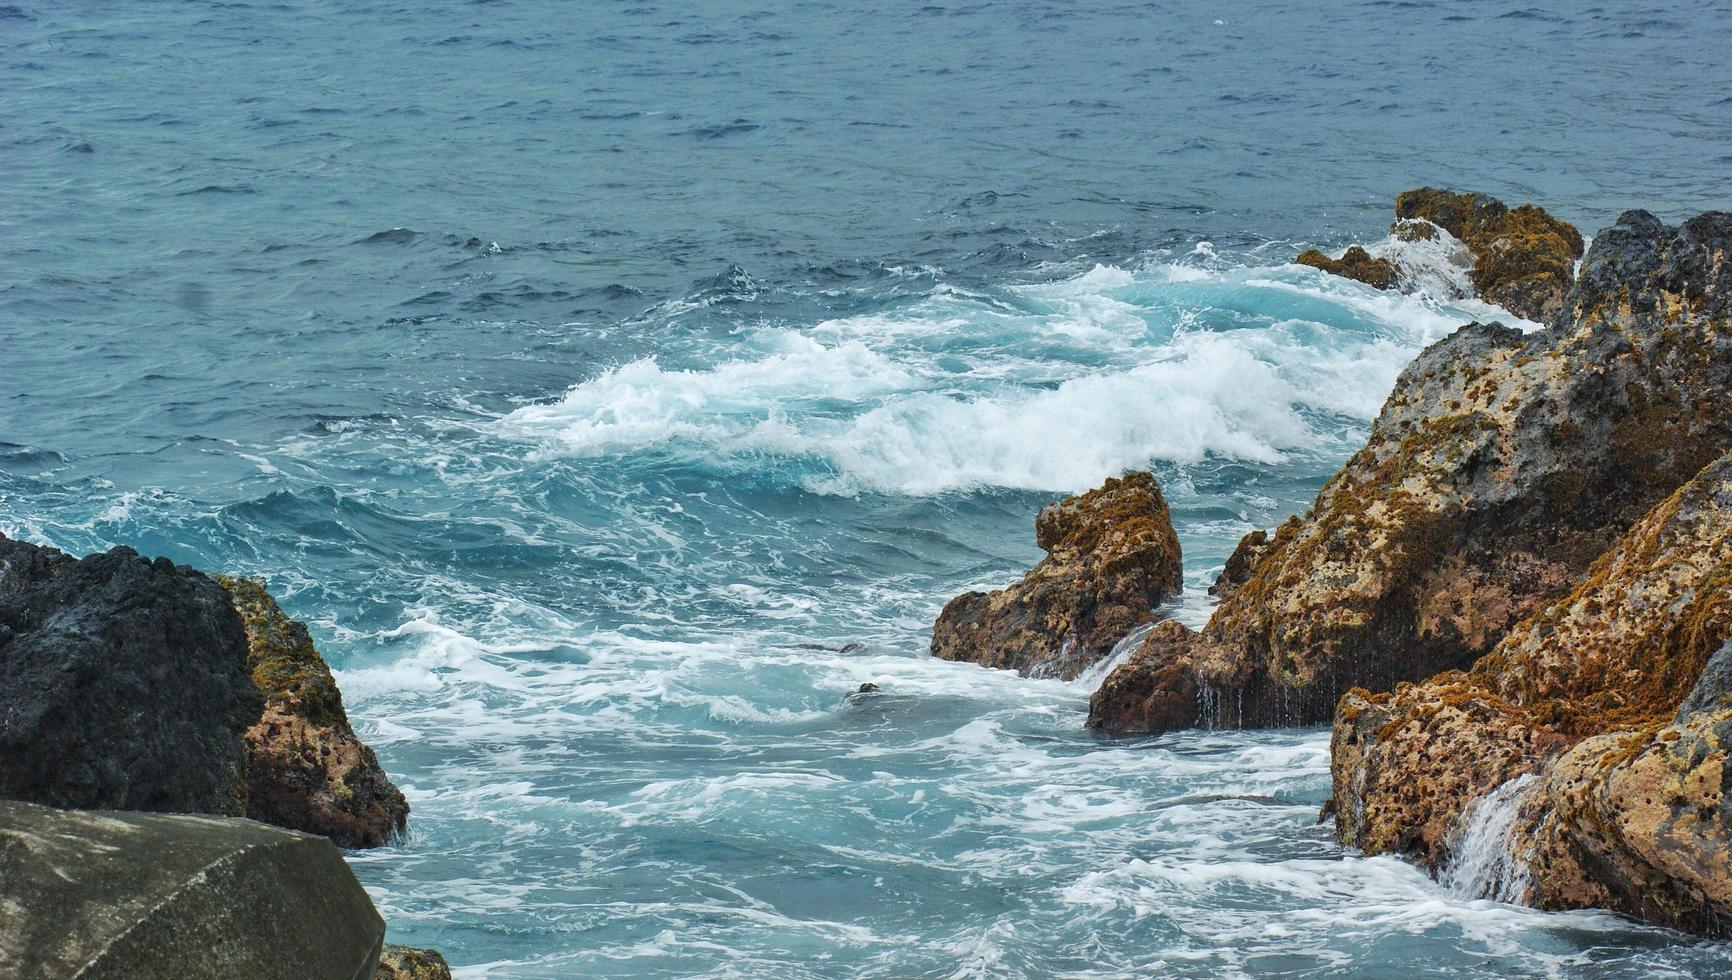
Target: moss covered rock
column 1615, row 696
column 405, row 963
column 1524, row 259
column 1355, row 263
column 1112, row 557
column 1521, row 259
column 307, row 770
column 1500, row 467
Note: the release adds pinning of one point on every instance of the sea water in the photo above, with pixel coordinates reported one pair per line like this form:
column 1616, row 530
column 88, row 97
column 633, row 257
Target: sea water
column 616, row 387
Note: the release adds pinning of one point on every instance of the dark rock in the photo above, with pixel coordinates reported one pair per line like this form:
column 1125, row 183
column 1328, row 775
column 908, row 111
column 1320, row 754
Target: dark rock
column 404, row 963
column 1355, row 263
column 308, row 770
column 1112, row 557
column 123, row 683
column 123, row 895
column 1500, row 467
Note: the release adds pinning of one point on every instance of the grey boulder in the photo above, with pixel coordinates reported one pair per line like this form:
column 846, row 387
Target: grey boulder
column 97, row 895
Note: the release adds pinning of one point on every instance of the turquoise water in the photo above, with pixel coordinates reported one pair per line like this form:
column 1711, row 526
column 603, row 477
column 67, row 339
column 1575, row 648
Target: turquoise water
column 614, row 388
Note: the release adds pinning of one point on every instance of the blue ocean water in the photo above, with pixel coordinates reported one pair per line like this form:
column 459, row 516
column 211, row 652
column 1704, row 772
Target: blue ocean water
column 615, row 387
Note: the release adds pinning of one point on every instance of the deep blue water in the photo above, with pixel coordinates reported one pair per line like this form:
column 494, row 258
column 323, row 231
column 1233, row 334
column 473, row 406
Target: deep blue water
column 589, row 375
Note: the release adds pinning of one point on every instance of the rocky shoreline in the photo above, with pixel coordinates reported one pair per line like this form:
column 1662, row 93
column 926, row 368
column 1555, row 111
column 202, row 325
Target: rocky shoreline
column 131, row 687
column 1519, row 591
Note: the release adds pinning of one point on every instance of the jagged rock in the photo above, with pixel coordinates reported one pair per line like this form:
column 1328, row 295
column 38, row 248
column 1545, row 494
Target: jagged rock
column 1355, row 263
column 308, row 770
column 123, row 683
column 1237, row 571
column 404, row 963
column 1638, row 822
column 1405, row 765
column 1112, row 557
column 118, row 895
column 1502, row 464
column 1524, row 259
column 1615, row 696
column 129, row 683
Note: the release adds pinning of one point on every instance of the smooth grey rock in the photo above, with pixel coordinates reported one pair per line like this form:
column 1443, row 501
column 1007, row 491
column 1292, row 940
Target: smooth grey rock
column 99, row 895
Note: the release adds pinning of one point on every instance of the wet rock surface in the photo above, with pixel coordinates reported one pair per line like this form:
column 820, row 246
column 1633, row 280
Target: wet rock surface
column 125, row 895
column 1355, row 263
column 307, row 769
column 1521, row 259
column 1524, row 259
column 1112, row 558
column 123, row 683
column 1500, row 467
column 1615, row 696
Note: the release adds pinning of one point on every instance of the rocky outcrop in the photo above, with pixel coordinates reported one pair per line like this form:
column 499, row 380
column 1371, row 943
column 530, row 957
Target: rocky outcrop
column 1154, row 689
column 1616, row 697
column 120, row 895
column 1355, row 263
column 1112, row 557
column 1521, row 259
column 404, row 963
column 123, row 684
column 137, row 684
column 308, row 771
column 1502, row 464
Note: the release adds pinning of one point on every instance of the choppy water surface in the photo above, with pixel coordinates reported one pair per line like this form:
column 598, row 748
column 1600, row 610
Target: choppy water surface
column 617, row 387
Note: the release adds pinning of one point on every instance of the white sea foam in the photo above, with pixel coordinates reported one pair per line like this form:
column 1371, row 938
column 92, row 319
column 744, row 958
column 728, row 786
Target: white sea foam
column 1482, row 863
column 965, row 391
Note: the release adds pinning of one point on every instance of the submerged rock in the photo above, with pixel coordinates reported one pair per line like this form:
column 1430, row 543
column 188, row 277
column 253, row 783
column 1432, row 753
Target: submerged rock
column 404, row 963
column 1501, row 465
column 308, row 770
column 1112, row 557
column 119, row 895
column 1521, row 259
column 123, row 684
column 1615, row 697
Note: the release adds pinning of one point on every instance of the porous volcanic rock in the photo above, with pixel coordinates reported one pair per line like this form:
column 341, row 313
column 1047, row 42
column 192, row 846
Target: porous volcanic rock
column 1500, row 467
column 1112, row 557
column 308, row 771
column 146, row 685
column 1152, row 690
column 1615, row 696
column 405, row 963
column 123, row 683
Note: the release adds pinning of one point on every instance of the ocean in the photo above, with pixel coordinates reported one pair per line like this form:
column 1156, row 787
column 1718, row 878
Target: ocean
column 614, row 388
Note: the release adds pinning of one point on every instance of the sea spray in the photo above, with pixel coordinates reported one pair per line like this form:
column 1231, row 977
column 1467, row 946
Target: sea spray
column 1481, row 863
